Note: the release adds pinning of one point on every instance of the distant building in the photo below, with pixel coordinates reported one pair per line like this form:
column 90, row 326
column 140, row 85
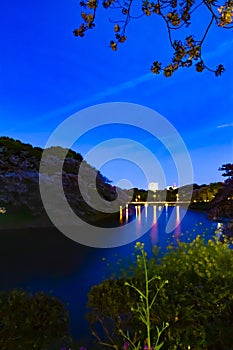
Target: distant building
column 153, row 186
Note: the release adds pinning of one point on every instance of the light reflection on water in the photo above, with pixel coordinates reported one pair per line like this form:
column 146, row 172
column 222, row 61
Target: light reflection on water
column 149, row 216
column 177, row 229
column 156, row 217
column 154, row 229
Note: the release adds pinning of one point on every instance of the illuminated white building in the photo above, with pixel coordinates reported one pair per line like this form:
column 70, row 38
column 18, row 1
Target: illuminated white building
column 153, row 186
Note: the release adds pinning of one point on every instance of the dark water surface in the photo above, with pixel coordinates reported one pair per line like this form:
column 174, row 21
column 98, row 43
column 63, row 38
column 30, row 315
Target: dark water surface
column 43, row 259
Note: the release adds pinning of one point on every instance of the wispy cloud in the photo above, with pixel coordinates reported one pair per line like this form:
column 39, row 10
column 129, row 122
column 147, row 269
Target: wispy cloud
column 223, row 48
column 225, row 125
column 126, row 85
column 93, row 99
column 220, row 50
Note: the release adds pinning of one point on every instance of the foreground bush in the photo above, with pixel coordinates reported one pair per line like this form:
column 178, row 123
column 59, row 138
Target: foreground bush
column 30, row 322
column 197, row 302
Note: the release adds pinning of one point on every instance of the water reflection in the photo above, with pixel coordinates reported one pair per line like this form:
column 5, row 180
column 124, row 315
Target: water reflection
column 127, row 213
column 121, row 215
column 146, row 210
column 139, row 213
column 166, row 210
column 177, row 224
column 155, row 214
column 139, row 221
column 149, row 216
column 154, row 229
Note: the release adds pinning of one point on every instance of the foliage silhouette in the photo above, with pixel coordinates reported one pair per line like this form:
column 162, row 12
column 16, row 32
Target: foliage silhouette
column 176, row 16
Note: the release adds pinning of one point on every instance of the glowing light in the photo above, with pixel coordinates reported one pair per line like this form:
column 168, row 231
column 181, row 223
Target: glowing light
column 154, row 213
column 154, row 229
column 139, row 221
column 177, row 229
column 2, row 210
column 121, row 214
column 139, row 213
column 146, row 210
column 126, row 213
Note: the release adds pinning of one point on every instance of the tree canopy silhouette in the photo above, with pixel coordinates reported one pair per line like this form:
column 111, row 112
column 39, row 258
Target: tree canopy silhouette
column 222, row 205
column 176, row 15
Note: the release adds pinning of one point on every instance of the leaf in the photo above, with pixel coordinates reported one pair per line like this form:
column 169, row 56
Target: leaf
column 113, row 45
column 157, row 347
column 156, row 67
column 220, row 69
column 200, row 67
column 116, row 28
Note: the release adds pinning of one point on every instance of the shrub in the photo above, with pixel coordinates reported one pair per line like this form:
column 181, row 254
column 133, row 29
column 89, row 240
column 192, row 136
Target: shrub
column 130, row 326
column 30, row 322
column 197, row 303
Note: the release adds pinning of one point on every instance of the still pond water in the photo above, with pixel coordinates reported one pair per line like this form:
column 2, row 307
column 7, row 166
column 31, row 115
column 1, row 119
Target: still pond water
column 45, row 260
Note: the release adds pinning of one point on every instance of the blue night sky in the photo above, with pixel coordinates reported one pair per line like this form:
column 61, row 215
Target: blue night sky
column 47, row 75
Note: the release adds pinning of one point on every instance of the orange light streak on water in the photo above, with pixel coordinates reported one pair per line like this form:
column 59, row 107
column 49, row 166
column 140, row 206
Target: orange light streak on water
column 126, row 213
column 121, row 215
